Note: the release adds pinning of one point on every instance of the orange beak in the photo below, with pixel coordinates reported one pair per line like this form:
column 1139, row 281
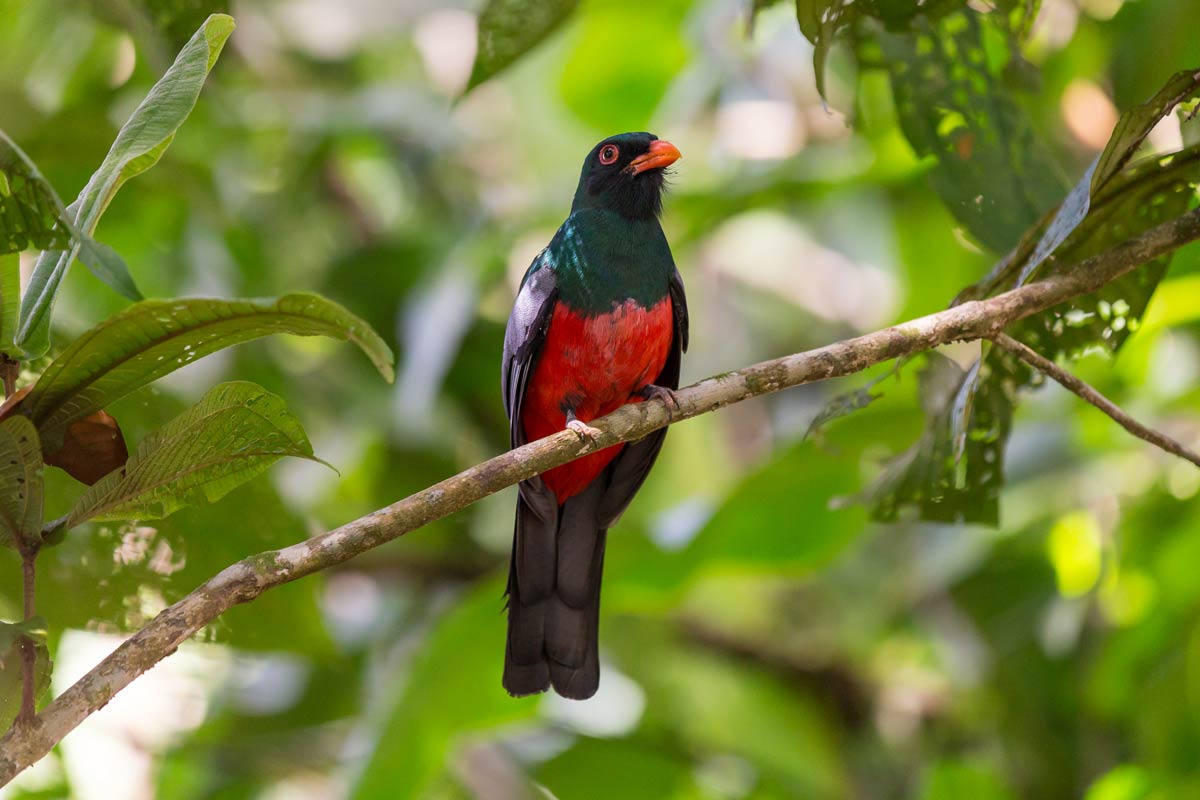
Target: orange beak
column 661, row 154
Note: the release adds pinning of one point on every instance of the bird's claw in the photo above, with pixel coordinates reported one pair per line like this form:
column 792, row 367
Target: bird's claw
column 584, row 430
column 650, row 391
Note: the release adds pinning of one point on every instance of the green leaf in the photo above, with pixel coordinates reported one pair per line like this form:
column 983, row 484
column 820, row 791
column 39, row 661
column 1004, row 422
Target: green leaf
column 1136, row 123
column 104, row 262
column 11, row 683
column 992, row 171
column 451, row 688
column 29, row 207
column 820, row 21
column 50, row 221
column 952, row 780
column 953, row 473
column 614, row 94
column 138, row 146
column 632, row 769
column 1113, row 202
column 156, row 337
column 10, row 301
column 510, row 28
column 21, row 491
column 234, row 433
column 1146, row 194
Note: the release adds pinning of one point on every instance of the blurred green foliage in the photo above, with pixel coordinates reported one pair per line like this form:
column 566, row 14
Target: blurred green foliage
column 762, row 638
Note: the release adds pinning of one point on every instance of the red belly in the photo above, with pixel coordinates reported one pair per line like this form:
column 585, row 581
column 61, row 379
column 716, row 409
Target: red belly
column 594, row 364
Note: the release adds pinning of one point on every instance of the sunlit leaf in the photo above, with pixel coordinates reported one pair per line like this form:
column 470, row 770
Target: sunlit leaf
column 234, row 433
column 156, row 337
column 508, row 29
column 138, row 146
column 21, row 490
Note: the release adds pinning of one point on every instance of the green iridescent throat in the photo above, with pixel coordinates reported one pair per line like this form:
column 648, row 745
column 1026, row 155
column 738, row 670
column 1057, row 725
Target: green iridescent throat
column 601, row 259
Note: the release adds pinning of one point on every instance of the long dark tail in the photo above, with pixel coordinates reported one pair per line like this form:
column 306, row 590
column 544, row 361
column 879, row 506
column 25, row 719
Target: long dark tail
column 554, row 598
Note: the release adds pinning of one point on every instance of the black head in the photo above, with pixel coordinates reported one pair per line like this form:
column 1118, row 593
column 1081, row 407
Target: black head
column 624, row 173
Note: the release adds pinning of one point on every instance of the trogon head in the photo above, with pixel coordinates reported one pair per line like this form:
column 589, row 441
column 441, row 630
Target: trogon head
column 624, row 173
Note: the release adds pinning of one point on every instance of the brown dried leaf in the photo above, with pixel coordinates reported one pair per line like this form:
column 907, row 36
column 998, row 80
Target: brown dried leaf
column 92, row 448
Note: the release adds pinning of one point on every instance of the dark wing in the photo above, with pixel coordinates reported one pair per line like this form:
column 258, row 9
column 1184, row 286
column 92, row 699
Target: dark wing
column 534, row 554
column 630, row 468
column 537, row 507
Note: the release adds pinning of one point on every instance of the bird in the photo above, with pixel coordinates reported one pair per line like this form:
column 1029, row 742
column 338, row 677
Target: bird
column 600, row 320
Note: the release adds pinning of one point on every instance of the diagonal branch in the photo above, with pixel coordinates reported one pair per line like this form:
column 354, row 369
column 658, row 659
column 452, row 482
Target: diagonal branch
column 1090, row 395
column 250, row 577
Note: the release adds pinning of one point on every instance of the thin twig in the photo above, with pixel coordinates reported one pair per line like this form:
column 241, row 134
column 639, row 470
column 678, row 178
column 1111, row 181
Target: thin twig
column 250, row 577
column 1090, row 395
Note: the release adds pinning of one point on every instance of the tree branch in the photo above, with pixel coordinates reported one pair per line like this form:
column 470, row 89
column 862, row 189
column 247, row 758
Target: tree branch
column 1090, row 395
column 250, row 577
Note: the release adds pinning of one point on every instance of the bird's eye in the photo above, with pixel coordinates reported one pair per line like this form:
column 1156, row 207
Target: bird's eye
column 608, row 154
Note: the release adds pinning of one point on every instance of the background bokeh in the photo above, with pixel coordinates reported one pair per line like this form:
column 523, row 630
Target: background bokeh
column 760, row 637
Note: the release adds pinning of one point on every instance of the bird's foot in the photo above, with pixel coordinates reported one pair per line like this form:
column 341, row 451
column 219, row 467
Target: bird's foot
column 582, row 429
column 650, row 391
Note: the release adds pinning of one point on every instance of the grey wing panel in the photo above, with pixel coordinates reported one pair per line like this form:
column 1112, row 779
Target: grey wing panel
column 523, row 339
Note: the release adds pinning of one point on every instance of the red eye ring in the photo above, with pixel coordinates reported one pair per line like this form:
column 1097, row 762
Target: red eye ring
column 608, row 154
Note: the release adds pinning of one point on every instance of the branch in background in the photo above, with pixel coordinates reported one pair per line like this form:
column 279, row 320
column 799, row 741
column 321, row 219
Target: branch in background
column 250, row 577
column 1090, row 395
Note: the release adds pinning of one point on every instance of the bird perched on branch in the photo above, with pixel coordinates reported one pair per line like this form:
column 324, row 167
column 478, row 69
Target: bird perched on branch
column 600, row 321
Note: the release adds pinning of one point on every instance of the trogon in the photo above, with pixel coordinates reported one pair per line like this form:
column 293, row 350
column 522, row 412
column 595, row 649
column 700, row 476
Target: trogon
column 600, row 321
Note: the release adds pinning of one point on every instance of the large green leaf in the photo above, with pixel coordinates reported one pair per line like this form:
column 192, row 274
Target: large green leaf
column 234, row 433
column 992, row 171
column 138, row 146
column 21, row 491
column 510, row 28
column 155, row 337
